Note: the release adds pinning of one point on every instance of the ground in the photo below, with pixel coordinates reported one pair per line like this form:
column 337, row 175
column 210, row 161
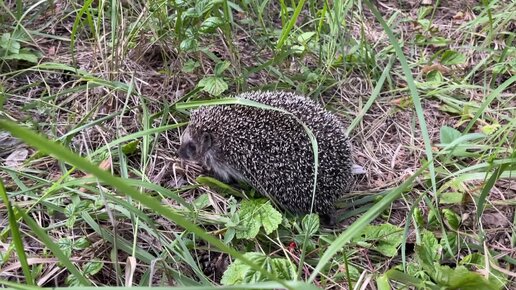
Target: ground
column 92, row 86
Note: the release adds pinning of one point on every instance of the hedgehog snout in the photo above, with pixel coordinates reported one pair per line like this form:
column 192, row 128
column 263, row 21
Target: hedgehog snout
column 187, row 150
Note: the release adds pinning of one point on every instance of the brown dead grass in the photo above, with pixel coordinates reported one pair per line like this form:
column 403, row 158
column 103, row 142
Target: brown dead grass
column 387, row 143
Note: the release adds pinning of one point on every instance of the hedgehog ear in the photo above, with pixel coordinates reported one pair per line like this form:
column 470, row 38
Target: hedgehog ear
column 206, row 140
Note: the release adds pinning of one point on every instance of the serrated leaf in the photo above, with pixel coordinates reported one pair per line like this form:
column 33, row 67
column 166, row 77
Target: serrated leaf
column 384, row 238
column 253, row 215
column 310, row 224
column 449, row 134
column 213, row 85
column 239, row 273
column 210, row 24
column 451, row 218
column 428, row 251
column 220, row 67
column 65, row 244
column 451, row 57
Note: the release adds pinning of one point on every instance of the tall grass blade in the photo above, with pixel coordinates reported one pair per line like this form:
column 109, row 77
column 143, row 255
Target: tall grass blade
column 16, row 236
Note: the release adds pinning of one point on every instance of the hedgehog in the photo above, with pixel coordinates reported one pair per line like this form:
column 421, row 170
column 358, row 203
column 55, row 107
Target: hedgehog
column 271, row 150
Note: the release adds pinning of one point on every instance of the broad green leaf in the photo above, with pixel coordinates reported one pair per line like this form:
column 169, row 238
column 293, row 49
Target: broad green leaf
column 428, row 251
column 190, row 65
column 210, row 24
column 303, row 38
column 9, row 44
column 461, row 278
column 451, row 57
column 478, row 261
column 213, row 85
column 385, row 238
column 28, row 57
column 220, row 67
column 188, row 45
column 92, row 268
column 451, row 197
column 449, row 134
column 255, row 214
column 451, row 218
column 239, row 273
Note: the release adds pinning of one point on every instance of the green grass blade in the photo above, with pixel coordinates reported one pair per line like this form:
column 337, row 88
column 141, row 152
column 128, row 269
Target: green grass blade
column 286, row 30
column 16, row 236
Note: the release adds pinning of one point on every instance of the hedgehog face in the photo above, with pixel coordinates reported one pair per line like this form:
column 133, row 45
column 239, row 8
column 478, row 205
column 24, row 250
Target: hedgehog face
column 195, row 147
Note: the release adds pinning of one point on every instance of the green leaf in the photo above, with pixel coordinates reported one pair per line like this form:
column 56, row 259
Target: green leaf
column 451, row 57
column 303, row 38
column 131, row 147
column 449, row 134
column 310, row 224
column 385, row 238
column 451, row 197
column 451, row 218
column 81, row 243
column 190, row 65
column 220, row 67
column 188, row 45
column 239, row 273
column 210, row 24
column 28, row 57
column 9, row 44
column 65, row 244
column 92, row 268
column 428, row 251
column 213, row 85
column 490, row 128
column 254, row 214
column 460, row 278
column 203, row 201
column 478, row 260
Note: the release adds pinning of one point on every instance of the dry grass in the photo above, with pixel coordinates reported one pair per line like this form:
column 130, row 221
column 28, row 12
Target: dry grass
column 387, row 142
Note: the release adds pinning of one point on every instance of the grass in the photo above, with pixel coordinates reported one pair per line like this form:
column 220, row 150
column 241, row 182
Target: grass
column 94, row 96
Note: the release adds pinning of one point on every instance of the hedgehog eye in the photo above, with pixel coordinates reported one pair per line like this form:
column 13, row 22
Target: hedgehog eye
column 187, row 151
